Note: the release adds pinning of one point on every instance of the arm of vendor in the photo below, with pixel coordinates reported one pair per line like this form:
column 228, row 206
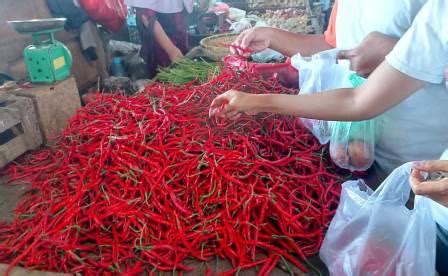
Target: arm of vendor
column 385, row 88
column 162, row 38
column 287, row 43
column 363, row 59
column 419, row 57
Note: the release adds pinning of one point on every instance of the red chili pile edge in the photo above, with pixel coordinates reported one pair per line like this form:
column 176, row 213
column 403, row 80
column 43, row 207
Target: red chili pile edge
column 149, row 183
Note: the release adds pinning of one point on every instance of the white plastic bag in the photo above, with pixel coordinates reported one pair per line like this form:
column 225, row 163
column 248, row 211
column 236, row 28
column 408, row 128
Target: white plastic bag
column 240, row 26
column 320, row 73
column 373, row 233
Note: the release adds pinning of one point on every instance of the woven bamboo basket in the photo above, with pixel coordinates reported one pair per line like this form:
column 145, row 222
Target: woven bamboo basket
column 215, row 46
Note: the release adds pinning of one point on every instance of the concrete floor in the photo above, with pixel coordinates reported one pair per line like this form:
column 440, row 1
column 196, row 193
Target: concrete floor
column 9, row 197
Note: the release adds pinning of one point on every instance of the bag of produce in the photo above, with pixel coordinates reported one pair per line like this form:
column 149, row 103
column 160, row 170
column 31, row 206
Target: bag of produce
column 374, row 233
column 352, row 144
column 318, row 74
column 109, row 13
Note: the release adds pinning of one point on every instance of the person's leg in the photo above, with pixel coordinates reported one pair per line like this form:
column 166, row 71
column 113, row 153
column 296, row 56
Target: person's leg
column 442, row 251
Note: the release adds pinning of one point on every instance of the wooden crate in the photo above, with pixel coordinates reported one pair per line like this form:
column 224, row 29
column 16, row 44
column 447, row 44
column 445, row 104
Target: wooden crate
column 294, row 19
column 55, row 104
column 307, row 21
column 19, row 130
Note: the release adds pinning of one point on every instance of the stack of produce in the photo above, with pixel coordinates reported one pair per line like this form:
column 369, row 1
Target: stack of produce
column 275, row 3
column 292, row 19
column 150, row 183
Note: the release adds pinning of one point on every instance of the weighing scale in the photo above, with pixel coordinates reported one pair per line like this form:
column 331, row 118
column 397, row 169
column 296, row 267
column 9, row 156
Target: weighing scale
column 47, row 60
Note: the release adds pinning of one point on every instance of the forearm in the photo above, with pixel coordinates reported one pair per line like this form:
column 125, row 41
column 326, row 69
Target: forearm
column 162, row 38
column 385, row 88
column 331, row 106
column 289, row 43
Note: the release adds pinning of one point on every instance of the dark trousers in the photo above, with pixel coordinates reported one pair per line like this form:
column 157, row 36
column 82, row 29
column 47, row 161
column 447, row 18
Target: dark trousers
column 442, row 251
column 327, row 15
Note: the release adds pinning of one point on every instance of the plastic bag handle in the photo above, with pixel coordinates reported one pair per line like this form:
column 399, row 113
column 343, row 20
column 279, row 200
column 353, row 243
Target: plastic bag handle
column 398, row 193
column 328, row 55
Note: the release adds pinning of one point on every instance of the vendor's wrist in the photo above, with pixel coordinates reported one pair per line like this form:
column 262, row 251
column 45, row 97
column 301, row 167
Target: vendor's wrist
column 266, row 33
column 174, row 53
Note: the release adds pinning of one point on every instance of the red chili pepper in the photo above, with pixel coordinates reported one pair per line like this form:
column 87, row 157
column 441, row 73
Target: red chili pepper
column 244, row 50
column 142, row 183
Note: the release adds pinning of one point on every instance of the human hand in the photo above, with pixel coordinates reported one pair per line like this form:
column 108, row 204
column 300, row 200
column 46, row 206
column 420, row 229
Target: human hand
column 254, row 40
column 369, row 54
column 436, row 190
column 231, row 105
column 175, row 54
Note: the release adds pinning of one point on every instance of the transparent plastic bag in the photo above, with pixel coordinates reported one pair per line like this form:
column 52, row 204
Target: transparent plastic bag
column 319, row 128
column 352, row 144
column 319, row 73
column 373, row 233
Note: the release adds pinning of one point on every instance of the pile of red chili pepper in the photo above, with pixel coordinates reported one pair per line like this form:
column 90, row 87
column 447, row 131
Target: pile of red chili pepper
column 149, row 183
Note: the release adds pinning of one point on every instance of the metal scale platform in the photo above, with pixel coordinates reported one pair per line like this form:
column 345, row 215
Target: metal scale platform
column 47, row 60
